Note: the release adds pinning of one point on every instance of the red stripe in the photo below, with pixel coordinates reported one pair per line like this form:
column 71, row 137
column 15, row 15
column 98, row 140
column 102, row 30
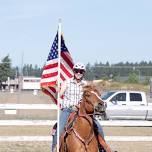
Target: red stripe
column 53, row 89
column 65, row 71
column 62, row 77
column 46, row 84
column 49, row 75
column 50, row 66
column 48, row 93
column 67, row 59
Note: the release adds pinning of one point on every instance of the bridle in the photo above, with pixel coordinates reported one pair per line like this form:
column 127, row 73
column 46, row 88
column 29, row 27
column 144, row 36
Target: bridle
column 95, row 93
column 89, row 119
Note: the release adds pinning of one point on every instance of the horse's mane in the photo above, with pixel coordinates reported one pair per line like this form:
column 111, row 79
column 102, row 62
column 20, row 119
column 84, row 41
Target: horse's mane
column 91, row 87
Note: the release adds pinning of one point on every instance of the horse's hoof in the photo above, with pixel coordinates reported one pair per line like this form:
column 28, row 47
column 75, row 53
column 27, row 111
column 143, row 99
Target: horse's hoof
column 102, row 150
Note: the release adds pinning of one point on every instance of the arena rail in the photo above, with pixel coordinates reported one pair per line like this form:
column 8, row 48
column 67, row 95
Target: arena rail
column 48, row 138
column 104, row 123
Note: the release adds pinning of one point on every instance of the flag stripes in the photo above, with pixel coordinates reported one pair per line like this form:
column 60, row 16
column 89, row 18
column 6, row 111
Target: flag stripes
column 50, row 70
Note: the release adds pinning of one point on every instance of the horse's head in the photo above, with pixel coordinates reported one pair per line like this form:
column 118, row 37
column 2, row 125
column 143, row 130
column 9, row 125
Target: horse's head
column 92, row 100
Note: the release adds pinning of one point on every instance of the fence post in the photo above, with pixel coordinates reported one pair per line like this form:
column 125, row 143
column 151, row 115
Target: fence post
column 150, row 87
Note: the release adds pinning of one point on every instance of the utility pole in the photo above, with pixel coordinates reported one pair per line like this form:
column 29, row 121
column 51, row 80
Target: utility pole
column 21, row 73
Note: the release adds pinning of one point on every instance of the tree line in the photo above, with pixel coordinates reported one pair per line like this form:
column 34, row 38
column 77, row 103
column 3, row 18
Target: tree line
column 120, row 69
column 132, row 71
column 7, row 70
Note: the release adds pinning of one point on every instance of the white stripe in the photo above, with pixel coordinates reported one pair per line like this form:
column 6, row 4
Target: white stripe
column 64, row 75
column 48, row 71
column 49, row 79
column 51, row 62
column 54, row 94
column 55, row 77
column 49, row 138
column 65, row 63
column 67, row 68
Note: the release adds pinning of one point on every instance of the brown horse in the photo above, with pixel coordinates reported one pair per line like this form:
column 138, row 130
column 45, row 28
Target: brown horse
column 79, row 135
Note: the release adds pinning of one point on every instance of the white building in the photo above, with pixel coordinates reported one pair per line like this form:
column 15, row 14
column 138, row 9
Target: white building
column 31, row 83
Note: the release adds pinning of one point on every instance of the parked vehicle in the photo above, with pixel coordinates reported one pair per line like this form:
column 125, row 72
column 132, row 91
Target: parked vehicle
column 125, row 104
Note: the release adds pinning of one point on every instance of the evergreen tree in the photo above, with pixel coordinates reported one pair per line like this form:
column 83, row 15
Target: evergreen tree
column 5, row 69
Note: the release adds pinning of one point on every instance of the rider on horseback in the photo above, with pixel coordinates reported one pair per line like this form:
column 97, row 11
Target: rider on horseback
column 72, row 90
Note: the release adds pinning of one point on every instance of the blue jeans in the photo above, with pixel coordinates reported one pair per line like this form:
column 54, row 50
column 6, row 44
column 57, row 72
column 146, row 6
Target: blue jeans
column 64, row 114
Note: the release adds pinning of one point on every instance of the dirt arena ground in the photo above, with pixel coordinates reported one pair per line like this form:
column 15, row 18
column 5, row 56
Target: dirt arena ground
column 25, row 97
column 28, row 97
column 45, row 146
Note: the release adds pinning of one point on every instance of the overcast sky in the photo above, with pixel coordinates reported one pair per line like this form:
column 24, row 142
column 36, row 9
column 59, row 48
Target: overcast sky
column 94, row 31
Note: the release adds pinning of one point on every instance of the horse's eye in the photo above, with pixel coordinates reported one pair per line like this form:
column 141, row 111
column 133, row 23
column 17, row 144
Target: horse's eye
column 87, row 94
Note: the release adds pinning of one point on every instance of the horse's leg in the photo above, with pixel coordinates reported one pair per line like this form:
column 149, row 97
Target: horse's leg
column 74, row 144
column 104, row 144
column 62, row 147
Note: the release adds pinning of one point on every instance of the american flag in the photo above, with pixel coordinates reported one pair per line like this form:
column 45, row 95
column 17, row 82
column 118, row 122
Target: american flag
column 50, row 69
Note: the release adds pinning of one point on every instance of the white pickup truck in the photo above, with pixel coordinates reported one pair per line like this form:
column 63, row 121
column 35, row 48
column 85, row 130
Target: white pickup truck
column 125, row 104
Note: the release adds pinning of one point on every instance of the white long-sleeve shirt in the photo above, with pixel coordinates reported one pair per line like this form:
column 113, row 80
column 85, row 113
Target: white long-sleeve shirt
column 73, row 93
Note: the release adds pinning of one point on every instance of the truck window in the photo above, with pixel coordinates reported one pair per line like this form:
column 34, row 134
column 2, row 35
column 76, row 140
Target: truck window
column 135, row 97
column 106, row 95
column 119, row 97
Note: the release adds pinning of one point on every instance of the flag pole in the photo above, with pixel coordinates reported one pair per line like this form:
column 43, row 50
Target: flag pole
column 58, row 81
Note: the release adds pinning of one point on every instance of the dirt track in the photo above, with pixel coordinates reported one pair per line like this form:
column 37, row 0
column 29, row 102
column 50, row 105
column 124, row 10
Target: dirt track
column 25, row 147
column 28, row 97
column 46, row 146
column 131, row 146
column 45, row 131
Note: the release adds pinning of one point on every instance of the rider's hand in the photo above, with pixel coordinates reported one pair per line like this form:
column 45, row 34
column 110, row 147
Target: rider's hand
column 57, row 89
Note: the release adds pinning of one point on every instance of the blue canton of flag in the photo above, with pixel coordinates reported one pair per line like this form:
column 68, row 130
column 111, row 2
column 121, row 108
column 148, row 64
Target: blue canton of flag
column 54, row 50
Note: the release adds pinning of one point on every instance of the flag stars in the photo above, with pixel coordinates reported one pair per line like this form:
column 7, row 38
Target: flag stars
column 54, row 49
